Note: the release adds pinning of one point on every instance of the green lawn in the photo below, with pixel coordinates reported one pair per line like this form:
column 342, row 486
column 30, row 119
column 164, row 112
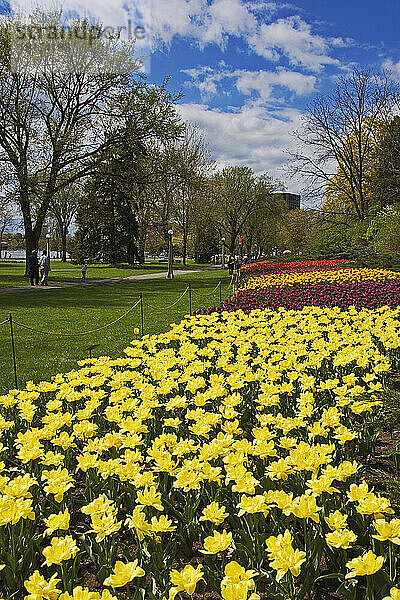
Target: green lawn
column 82, row 308
column 12, row 272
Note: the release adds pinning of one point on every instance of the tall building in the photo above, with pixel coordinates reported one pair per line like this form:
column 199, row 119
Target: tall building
column 292, row 200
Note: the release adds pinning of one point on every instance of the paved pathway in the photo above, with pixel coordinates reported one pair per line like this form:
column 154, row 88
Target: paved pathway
column 64, row 284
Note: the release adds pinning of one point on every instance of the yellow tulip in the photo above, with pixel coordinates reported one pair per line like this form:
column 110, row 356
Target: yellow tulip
column 367, row 564
column 123, row 573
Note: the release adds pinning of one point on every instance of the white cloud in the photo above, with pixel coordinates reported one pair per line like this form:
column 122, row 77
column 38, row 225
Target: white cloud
column 293, row 38
column 200, row 20
column 175, row 18
column 212, row 81
column 253, row 136
column 263, row 82
column 227, row 17
column 110, row 12
column 207, row 22
column 394, row 68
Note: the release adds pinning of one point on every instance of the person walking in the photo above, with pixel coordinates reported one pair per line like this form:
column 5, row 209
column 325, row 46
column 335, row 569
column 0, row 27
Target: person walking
column 44, row 265
column 231, row 264
column 84, row 269
column 33, row 267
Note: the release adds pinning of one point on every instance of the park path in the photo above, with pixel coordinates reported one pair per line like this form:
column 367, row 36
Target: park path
column 65, row 284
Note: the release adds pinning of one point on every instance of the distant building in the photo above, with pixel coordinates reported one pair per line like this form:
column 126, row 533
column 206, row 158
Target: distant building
column 292, row 200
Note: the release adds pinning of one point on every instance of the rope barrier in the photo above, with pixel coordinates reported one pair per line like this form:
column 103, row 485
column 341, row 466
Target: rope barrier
column 82, row 332
column 209, row 294
column 140, row 302
column 166, row 307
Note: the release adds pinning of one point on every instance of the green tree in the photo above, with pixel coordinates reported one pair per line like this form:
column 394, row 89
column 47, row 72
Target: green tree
column 53, row 108
column 123, row 174
column 383, row 232
column 238, row 197
column 297, row 230
column 261, row 228
column 386, row 179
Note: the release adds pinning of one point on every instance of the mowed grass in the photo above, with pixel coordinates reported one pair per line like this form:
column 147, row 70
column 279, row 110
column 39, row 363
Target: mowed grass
column 12, row 272
column 82, row 308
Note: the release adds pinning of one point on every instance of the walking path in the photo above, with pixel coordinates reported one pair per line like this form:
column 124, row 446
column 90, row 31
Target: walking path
column 63, row 284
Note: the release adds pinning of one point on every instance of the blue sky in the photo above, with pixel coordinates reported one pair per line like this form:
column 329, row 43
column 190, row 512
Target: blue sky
column 248, row 69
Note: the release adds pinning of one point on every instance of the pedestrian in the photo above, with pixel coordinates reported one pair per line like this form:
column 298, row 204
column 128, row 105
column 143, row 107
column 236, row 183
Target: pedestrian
column 84, row 269
column 33, row 267
column 44, row 264
column 231, row 264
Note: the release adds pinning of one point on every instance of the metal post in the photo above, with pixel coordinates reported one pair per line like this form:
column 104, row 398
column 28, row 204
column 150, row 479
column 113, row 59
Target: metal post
column 190, row 299
column 13, row 352
column 141, row 311
column 170, row 274
column 223, row 253
column 220, row 292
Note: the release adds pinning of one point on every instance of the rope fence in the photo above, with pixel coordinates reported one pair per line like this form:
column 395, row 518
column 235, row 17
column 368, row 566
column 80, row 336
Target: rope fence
column 167, row 307
column 219, row 284
column 81, row 332
column 141, row 302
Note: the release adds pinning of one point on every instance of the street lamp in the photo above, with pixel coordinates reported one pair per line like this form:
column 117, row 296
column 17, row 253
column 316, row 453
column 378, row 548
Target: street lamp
column 223, row 252
column 48, row 244
column 240, row 249
column 170, row 274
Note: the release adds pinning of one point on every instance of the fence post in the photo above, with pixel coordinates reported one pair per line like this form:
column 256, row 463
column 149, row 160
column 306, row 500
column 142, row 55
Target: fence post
column 220, row 292
column 190, row 298
column 141, row 312
column 13, row 352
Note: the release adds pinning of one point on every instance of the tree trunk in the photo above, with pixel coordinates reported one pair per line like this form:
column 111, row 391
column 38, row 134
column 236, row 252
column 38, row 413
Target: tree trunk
column 140, row 250
column 249, row 245
column 31, row 243
column 113, row 245
column 64, row 244
column 131, row 252
column 32, row 233
column 1, row 237
column 184, row 247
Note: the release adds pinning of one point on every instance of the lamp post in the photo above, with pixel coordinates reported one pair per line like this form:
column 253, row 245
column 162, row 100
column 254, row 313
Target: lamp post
column 223, row 252
column 48, row 244
column 240, row 249
column 170, row 274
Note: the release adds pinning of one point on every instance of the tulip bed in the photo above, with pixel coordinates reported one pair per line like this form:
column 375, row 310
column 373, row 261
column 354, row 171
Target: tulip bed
column 222, row 459
column 312, row 283
column 269, row 265
column 335, row 277
column 366, row 294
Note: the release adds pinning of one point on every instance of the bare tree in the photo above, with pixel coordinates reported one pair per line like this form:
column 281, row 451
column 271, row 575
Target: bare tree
column 193, row 166
column 338, row 138
column 63, row 207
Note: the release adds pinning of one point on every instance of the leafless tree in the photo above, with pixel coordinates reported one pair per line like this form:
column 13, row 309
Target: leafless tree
column 193, row 166
column 63, row 207
column 338, row 137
